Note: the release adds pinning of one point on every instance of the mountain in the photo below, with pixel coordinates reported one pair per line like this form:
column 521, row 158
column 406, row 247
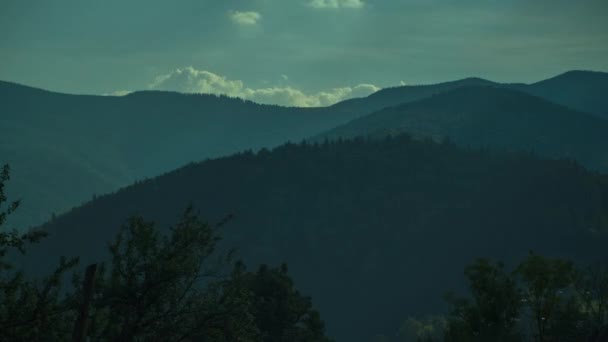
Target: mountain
column 495, row 118
column 389, row 97
column 374, row 230
column 581, row 90
column 64, row 148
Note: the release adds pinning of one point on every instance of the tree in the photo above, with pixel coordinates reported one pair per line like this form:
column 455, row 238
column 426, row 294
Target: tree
column 548, row 290
column 165, row 287
column 281, row 313
column 428, row 329
column 29, row 310
column 492, row 313
column 156, row 287
column 592, row 293
column 175, row 287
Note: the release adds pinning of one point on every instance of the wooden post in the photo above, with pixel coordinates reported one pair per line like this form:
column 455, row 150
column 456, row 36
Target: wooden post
column 80, row 327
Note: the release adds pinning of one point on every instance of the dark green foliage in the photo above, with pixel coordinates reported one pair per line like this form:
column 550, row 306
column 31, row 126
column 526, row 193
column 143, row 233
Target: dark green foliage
column 495, row 307
column 592, row 293
column 547, row 285
column 544, row 300
column 157, row 288
column 29, row 310
column 281, row 313
column 11, row 238
column 172, row 288
column 428, row 329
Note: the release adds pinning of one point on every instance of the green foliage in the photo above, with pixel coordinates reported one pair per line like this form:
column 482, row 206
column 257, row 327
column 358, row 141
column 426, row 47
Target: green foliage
column 282, row 314
column 29, row 310
column 162, row 287
column 12, row 238
column 542, row 300
column 429, row 329
column 494, row 310
column 592, row 293
column 547, row 286
column 173, row 288
column 157, row 287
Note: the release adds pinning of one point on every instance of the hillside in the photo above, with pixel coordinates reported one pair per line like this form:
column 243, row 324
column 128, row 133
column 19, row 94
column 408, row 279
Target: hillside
column 394, row 96
column 396, row 218
column 63, row 148
column 495, row 118
column 580, row 90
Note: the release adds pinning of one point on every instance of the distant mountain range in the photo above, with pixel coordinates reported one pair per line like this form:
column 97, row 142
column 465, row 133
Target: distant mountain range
column 66, row 148
column 580, row 90
column 375, row 231
column 495, row 118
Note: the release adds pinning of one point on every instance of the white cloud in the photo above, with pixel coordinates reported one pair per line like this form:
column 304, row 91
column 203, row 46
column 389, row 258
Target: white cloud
column 336, row 3
column 191, row 80
column 118, row 93
column 245, row 18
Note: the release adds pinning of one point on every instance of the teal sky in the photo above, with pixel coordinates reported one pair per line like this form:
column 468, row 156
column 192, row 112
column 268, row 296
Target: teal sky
column 302, row 52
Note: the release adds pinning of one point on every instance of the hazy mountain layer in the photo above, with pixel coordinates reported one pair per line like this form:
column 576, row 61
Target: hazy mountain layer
column 64, row 149
column 580, row 90
column 495, row 118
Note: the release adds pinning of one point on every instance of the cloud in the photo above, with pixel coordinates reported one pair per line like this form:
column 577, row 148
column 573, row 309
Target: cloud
column 336, row 3
column 191, row 80
column 245, row 18
column 118, row 93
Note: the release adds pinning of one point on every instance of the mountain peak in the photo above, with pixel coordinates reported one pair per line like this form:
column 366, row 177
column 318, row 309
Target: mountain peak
column 577, row 75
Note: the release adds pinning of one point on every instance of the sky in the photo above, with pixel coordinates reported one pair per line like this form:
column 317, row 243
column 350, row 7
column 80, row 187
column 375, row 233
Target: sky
column 293, row 52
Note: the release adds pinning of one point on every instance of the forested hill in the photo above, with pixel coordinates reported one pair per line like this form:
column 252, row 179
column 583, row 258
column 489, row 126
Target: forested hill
column 495, row 118
column 374, row 231
column 63, row 148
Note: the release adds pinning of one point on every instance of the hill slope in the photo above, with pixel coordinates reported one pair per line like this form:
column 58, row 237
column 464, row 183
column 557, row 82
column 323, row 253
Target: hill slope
column 375, row 231
column 492, row 117
column 65, row 148
column 580, row 90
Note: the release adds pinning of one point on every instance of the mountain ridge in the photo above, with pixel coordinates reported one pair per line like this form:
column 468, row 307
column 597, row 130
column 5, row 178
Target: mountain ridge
column 494, row 117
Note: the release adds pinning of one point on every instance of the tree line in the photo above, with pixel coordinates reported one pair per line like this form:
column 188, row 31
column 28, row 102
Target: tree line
column 155, row 287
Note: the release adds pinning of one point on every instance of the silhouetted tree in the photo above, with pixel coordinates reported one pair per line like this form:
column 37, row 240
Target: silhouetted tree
column 281, row 313
column 547, row 286
column 29, row 310
column 492, row 313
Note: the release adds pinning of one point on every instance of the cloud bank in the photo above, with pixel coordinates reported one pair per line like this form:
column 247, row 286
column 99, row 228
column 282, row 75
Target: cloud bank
column 336, row 3
column 191, row 80
column 245, row 18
